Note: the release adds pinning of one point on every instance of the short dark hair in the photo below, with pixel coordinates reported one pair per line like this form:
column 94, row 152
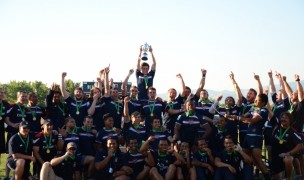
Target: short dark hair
column 145, row 64
column 106, row 116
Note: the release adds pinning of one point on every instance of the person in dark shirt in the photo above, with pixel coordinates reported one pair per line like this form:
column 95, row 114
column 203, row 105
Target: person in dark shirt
column 20, row 152
column 87, row 136
column 165, row 160
column 46, row 144
column 228, row 162
column 111, row 163
column 139, row 162
column 188, row 124
column 286, row 143
column 145, row 77
column 108, row 131
column 78, row 107
column 62, row 167
column 203, row 160
column 56, row 110
column 185, row 170
column 4, row 105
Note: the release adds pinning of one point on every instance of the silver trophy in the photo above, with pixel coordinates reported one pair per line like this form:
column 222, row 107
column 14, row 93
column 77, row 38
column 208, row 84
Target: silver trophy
column 145, row 50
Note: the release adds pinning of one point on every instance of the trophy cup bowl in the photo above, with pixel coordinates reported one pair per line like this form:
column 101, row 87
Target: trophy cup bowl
column 145, row 50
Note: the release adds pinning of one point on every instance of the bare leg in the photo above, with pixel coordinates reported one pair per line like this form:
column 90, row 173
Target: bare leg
column 288, row 166
column 170, row 172
column 154, row 175
column 179, row 173
column 47, row 172
column 89, row 160
column 192, row 173
column 144, row 173
column 19, row 169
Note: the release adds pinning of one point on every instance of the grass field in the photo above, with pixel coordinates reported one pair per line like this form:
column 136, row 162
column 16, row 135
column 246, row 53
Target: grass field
column 2, row 165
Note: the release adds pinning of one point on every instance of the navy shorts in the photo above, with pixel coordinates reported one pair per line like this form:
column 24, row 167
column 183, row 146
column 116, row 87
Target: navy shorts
column 251, row 142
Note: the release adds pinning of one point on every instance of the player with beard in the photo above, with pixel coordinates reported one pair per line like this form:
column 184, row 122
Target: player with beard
column 55, row 109
column 78, row 107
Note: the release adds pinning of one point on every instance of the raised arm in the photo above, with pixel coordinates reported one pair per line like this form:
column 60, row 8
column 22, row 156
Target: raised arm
column 63, row 88
column 179, row 76
column 299, row 87
column 202, row 82
column 139, row 59
column 237, row 90
column 126, row 110
column 125, row 83
column 106, row 82
column 272, row 88
column 260, row 87
column 100, row 79
column 287, row 87
column 283, row 91
column 153, row 66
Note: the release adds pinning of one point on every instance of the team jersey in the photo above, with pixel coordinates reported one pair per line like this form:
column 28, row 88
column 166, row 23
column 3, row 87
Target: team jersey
column 16, row 114
column 152, row 109
column 104, row 134
column 47, row 145
column 143, row 83
column 256, row 129
column 78, row 110
column 136, row 161
column 117, row 161
column 115, row 108
column 86, row 141
column 57, row 112
column 33, row 116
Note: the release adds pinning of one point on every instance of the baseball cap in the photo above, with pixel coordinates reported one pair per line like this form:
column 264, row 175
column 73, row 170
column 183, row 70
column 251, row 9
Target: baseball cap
column 71, row 144
column 24, row 124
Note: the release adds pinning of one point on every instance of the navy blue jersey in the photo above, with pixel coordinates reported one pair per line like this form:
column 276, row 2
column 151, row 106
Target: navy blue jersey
column 231, row 126
column 297, row 111
column 134, row 105
column 232, row 158
column 98, row 114
column 189, row 127
column 170, row 119
column 152, row 109
column 246, row 106
column 86, row 141
column 135, row 132
column 136, row 161
column 104, row 134
column 143, row 83
column 203, row 107
column 115, row 108
column 115, row 164
column 202, row 157
column 33, row 116
column 284, row 140
column 256, row 129
column 72, row 137
column 47, row 146
column 279, row 107
column 18, row 144
column 78, row 110
column 66, row 168
column 163, row 161
column 158, row 135
column 16, row 114
column 57, row 112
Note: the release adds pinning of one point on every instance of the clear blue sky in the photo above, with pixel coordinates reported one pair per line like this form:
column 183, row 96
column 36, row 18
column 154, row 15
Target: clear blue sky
column 41, row 39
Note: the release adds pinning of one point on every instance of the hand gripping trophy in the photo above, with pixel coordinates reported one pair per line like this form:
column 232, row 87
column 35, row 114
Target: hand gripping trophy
column 145, row 49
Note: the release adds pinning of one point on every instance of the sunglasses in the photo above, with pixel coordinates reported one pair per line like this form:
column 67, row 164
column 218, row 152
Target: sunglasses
column 72, row 149
column 26, row 127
